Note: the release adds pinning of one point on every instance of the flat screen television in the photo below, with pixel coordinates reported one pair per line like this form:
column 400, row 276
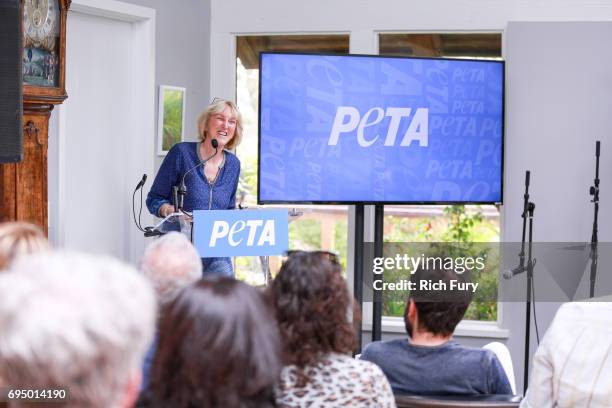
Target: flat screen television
column 349, row 129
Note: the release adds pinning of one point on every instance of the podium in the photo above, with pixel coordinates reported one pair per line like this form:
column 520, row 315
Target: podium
column 177, row 222
column 223, row 233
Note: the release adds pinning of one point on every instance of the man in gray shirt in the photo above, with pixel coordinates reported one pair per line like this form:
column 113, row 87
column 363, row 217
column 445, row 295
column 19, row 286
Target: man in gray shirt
column 429, row 362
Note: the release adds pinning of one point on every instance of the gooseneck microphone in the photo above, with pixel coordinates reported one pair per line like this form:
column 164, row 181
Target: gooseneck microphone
column 141, row 182
column 139, row 186
column 182, row 190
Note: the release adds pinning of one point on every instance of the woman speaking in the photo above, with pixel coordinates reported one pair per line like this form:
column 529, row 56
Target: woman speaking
column 212, row 182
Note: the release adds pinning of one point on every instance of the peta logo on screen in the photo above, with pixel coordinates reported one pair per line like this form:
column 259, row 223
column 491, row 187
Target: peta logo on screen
column 252, row 232
column 348, row 119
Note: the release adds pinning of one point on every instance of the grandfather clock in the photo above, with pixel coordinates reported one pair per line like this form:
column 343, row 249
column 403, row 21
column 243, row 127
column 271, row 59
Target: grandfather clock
column 23, row 185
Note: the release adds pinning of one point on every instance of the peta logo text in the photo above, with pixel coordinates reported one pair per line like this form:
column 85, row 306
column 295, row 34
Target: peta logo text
column 349, row 119
column 255, row 232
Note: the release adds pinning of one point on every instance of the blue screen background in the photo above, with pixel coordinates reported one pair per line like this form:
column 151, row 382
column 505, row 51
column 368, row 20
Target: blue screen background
column 299, row 96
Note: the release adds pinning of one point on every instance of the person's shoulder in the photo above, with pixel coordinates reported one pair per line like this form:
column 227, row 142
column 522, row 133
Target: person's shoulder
column 232, row 161
column 183, row 148
column 471, row 354
column 231, row 157
column 363, row 367
column 593, row 315
column 375, row 349
column 369, row 368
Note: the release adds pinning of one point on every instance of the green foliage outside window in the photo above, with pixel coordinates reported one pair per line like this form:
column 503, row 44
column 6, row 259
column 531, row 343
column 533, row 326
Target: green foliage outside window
column 456, row 225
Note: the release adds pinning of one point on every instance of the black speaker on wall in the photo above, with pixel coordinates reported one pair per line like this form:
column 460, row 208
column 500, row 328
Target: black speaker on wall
column 11, row 96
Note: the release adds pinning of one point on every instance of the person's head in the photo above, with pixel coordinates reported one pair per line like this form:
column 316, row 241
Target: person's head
column 312, row 306
column 218, row 347
column 76, row 322
column 435, row 311
column 19, row 238
column 171, row 263
column 221, row 120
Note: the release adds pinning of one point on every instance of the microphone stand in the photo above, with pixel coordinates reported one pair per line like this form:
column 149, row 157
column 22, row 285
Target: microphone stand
column 180, row 192
column 530, row 265
column 594, row 191
column 524, row 216
column 139, row 186
column 528, row 210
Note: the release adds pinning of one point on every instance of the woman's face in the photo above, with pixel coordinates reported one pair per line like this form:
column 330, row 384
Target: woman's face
column 221, row 126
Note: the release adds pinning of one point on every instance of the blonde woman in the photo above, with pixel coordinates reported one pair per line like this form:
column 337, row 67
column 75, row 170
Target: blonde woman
column 213, row 185
column 19, row 238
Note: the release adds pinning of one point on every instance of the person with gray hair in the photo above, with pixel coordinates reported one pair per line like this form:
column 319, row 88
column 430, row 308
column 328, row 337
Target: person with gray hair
column 171, row 263
column 75, row 322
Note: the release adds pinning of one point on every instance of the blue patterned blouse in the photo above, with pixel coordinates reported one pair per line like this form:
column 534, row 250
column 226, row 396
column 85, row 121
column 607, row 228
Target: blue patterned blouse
column 201, row 195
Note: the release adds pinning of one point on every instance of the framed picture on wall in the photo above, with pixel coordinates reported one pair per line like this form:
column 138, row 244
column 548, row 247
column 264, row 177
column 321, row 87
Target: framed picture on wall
column 171, row 117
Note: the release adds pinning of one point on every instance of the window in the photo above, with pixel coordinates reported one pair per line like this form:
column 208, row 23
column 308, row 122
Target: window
column 310, row 227
column 443, row 223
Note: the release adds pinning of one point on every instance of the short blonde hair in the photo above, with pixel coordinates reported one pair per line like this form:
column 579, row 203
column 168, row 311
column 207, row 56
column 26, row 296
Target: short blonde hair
column 20, row 238
column 219, row 106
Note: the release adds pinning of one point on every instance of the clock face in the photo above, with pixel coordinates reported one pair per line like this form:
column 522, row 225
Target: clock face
column 41, row 26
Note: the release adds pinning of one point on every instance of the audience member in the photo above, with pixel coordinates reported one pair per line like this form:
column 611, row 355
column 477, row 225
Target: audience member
column 572, row 366
column 312, row 305
column 75, row 322
column 218, row 347
column 171, row 263
column 19, row 238
column 429, row 362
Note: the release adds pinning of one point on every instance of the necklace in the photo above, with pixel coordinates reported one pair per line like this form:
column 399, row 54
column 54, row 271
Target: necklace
column 214, row 179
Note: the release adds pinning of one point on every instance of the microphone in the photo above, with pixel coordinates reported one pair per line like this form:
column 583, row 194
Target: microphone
column 141, row 182
column 508, row 274
column 182, row 190
column 138, row 186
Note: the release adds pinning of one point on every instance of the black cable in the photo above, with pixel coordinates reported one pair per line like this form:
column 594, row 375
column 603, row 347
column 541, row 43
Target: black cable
column 140, row 211
column 535, row 316
column 134, row 211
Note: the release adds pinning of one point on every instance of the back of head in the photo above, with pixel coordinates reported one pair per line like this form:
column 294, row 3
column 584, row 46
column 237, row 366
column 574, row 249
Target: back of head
column 76, row 322
column 171, row 263
column 439, row 310
column 218, row 347
column 312, row 306
column 19, row 238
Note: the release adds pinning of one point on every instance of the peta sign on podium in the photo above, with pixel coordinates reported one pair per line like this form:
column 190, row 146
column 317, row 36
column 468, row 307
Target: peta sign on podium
column 240, row 232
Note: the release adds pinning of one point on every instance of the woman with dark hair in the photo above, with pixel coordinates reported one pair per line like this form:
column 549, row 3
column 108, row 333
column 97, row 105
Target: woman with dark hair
column 218, row 347
column 312, row 305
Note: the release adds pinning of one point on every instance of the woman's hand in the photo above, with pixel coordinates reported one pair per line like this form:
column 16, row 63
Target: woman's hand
column 165, row 210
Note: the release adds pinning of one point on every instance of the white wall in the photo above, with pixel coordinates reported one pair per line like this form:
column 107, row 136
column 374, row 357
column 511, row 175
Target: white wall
column 560, row 214
column 101, row 138
column 557, row 105
column 182, row 55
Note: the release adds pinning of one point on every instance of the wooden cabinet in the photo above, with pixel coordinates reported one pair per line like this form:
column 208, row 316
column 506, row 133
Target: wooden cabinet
column 23, row 185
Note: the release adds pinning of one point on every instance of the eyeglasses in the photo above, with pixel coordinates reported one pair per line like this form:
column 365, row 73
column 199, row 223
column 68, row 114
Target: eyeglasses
column 217, row 99
column 328, row 255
